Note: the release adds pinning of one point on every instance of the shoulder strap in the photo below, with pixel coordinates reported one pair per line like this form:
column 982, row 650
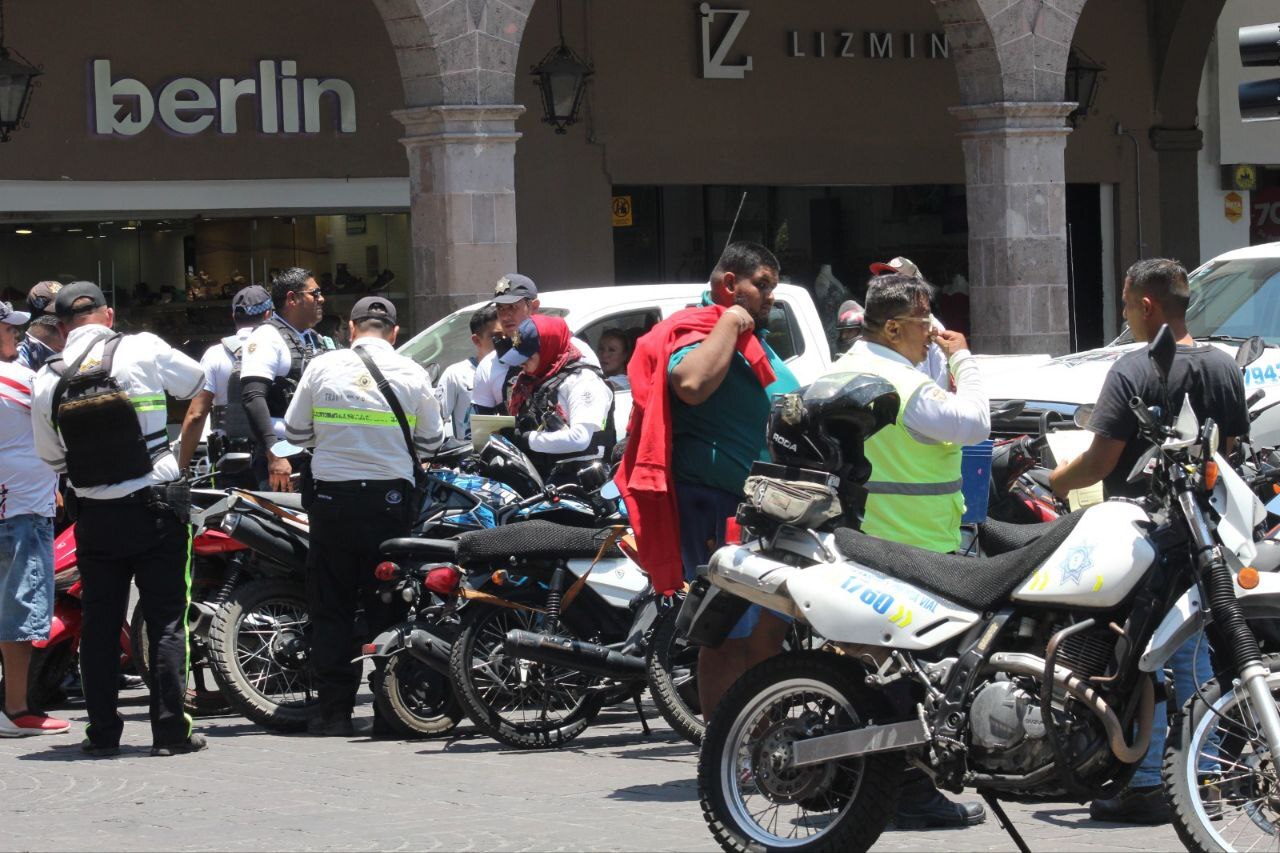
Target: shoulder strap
column 387, row 394
column 65, row 373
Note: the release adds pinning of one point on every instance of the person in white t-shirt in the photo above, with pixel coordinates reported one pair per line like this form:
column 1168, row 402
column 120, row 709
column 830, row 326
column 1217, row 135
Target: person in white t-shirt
column 27, row 501
column 454, row 388
column 517, row 299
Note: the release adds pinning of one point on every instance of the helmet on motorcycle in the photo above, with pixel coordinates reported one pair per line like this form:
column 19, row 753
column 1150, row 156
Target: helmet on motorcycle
column 501, row 460
column 824, row 426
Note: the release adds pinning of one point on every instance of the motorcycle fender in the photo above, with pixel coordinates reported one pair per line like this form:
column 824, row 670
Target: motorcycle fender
column 387, row 644
column 65, row 626
column 750, row 575
column 1187, row 617
column 1239, row 509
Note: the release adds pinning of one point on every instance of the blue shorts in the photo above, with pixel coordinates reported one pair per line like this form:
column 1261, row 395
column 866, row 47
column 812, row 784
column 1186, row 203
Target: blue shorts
column 26, row 578
column 703, row 511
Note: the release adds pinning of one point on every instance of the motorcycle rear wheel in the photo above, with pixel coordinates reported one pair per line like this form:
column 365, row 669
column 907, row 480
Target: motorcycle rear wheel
column 751, row 803
column 672, row 667
column 414, row 700
column 257, row 643
column 1234, row 802
column 199, row 700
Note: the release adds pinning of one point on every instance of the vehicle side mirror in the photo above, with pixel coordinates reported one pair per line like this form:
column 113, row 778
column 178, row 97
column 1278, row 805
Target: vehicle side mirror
column 593, row 476
column 285, row 450
column 1008, row 409
column 1250, row 351
column 433, row 372
column 1082, row 415
column 1161, row 350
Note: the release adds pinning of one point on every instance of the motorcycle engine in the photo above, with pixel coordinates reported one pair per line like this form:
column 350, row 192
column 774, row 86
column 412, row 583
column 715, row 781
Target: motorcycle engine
column 1007, row 730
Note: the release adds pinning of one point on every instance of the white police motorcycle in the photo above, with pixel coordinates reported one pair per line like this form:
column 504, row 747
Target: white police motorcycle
column 1025, row 675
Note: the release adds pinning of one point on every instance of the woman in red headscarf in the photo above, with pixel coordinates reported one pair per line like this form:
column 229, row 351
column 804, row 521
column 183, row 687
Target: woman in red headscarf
column 562, row 403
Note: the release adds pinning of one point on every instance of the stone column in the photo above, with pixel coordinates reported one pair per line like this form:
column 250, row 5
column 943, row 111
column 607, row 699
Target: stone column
column 462, row 203
column 1178, row 153
column 1016, row 196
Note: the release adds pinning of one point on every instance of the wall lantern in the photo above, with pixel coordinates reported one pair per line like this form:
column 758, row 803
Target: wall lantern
column 1081, row 84
column 17, row 80
column 562, row 79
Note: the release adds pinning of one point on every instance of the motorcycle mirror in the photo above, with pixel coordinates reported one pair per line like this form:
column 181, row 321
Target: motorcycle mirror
column 1140, row 467
column 1250, row 351
column 609, row 491
column 284, row 450
column 1212, row 439
column 593, row 476
column 1082, row 415
column 433, row 371
column 1161, row 350
column 1008, row 409
column 234, row 463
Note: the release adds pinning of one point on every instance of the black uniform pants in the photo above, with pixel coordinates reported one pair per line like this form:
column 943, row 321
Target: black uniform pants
column 349, row 521
column 118, row 542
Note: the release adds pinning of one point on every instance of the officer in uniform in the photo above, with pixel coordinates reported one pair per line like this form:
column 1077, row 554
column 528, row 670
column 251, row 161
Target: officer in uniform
column 250, row 308
column 274, row 358
column 44, row 337
column 364, row 478
column 98, row 413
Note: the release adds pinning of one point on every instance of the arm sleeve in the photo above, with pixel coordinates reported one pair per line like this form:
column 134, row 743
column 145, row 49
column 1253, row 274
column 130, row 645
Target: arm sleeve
column 1235, row 414
column 428, row 432
column 210, row 362
column 1112, row 417
column 299, row 423
column 49, row 446
column 180, row 374
column 253, row 393
column 960, row 418
column 482, row 396
column 265, row 355
column 587, row 402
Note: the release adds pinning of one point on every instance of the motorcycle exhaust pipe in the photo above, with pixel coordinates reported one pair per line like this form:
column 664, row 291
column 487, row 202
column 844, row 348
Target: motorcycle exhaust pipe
column 251, row 532
column 569, row 653
column 429, row 649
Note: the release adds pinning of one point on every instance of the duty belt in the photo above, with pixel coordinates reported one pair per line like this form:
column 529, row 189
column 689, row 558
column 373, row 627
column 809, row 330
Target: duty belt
column 174, row 497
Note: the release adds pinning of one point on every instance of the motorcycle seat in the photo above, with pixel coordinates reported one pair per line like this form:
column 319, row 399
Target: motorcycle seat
column 287, row 500
column 534, row 540
column 978, row 583
column 1001, row 537
column 428, row 549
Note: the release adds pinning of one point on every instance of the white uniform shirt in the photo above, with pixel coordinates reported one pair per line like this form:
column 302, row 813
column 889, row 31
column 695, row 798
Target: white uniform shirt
column 491, row 376
column 933, row 415
column 454, row 394
column 583, row 400
column 146, row 368
column 27, row 485
column 338, row 410
column 266, row 356
column 218, row 364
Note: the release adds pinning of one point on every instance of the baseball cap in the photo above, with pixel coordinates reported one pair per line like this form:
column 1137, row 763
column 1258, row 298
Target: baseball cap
column 252, row 300
column 524, row 345
column 13, row 318
column 74, row 291
column 898, row 266
column 40, row 298
column 373, row 306
column 513, row 287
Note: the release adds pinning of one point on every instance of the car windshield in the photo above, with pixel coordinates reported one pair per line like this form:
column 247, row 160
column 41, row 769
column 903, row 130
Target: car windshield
column 1233, row 300
column 449, row 340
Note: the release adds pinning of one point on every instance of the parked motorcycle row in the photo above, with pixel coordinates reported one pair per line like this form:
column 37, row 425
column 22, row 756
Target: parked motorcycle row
column 1021, row 669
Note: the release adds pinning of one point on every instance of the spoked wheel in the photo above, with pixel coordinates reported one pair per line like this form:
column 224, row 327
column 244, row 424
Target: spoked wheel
column 673, row 678
column 1222, row 780
column 753, row 801
column 523, row 704
column 258, row 643
column 414, row 699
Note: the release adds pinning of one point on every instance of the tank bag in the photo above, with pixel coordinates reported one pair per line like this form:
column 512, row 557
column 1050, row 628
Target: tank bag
column 100, row 424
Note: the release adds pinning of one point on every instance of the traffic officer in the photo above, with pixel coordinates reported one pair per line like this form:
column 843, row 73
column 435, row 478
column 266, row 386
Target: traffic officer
column 364, row 475
column 98, row 413
column 44, row 337
column 914, row 494
column 250, row 308
column 274, row 358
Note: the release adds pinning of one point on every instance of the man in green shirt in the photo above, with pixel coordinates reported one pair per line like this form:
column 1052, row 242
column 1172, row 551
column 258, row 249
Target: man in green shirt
column 719, row 411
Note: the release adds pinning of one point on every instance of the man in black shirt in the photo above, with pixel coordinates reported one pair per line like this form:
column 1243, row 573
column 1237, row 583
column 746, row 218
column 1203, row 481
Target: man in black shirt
column 1155, row 294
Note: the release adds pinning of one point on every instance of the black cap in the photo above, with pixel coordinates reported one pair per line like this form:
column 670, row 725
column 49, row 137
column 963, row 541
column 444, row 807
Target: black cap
column 371, row 307
column 524, row 345
column 41, row 297
column 74, row 292
column 513, row 287
column 253, row 301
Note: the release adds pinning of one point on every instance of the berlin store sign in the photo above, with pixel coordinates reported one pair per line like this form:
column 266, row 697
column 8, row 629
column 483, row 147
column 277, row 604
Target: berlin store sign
column 285, row 103
column 720, row 29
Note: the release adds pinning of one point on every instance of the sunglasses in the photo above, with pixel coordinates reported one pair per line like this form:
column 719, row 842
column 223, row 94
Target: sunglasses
column 315, row 293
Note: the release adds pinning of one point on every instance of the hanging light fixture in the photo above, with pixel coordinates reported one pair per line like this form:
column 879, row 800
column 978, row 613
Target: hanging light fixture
column 17, row 80
column 1081, row 84
column 562, row 79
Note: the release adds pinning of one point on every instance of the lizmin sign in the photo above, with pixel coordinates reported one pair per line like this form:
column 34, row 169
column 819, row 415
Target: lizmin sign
column 285, row 103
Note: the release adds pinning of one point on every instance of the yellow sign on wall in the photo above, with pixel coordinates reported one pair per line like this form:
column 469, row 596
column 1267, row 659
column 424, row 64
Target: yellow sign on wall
column 622, row 217
column 1233, row 207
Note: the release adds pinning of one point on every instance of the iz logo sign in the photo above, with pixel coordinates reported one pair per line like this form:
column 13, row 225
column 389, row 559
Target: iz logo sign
column 713, row 57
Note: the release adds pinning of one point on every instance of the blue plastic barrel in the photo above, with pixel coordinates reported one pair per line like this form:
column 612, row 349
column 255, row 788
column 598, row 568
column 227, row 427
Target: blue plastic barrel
column 975, row 471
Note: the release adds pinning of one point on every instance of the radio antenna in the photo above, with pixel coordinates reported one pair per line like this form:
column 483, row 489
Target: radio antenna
column 732, row 227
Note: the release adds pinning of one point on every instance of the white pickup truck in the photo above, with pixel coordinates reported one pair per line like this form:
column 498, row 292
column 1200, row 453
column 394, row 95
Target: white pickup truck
column 796, row 332
column 1233, row 297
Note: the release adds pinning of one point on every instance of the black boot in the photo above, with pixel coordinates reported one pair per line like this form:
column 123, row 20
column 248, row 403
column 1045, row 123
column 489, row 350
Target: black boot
column 1146, row 805
column 935, row 811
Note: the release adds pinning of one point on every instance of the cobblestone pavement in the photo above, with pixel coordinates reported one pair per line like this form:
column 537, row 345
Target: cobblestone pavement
column 613, row 789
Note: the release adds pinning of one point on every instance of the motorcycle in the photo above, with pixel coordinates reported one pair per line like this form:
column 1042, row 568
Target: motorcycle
column 1025, row 675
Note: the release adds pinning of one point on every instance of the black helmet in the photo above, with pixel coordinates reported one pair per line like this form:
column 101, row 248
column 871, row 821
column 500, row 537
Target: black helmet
column 824, row 426
column 501, row 460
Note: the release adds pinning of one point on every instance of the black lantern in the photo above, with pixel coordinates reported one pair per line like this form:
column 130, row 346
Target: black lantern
column 562, row 79
column 1081, row 84
column 17, row 79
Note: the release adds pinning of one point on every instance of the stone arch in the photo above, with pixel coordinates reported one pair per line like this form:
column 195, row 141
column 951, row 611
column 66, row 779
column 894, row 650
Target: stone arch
column 456, row 52
column 1184, row 32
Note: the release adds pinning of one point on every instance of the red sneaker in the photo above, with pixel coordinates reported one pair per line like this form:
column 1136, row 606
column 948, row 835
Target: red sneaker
column 28, row 723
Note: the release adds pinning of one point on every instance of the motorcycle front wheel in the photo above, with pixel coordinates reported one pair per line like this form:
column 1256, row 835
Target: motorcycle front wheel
column 672, row 666
column 1221, row 779
column 414, row 699
column 259, row 646
column 753, row 802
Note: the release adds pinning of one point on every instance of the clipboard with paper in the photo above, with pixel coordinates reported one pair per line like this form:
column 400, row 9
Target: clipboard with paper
column 1069, row 444
column 483, row 426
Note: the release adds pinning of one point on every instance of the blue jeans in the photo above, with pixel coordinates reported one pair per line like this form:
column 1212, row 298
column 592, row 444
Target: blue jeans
column 1191, row 666
column 26, row 578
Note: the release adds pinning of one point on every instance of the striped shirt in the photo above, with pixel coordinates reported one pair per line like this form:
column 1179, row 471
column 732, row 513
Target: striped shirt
column 27, row 485
column 338, row 409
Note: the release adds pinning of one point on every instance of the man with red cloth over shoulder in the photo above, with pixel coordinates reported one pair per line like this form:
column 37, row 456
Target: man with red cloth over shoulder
column 702, row 382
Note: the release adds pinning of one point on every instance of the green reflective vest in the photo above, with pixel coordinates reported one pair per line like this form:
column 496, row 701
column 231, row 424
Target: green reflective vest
column 914, row 494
